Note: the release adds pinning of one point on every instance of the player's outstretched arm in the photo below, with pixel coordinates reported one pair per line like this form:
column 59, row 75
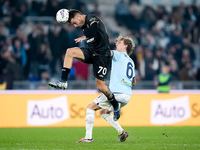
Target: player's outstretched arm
column 80, row 39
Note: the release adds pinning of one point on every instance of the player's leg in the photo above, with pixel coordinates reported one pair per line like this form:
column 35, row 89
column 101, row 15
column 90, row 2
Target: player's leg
column 90, row 114
column 105, row 90
column 71, row 53
column 106, row 114
column 102, row 66
column 89, row 120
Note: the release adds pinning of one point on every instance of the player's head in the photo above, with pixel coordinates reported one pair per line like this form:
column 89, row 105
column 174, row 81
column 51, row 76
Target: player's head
column 165, row 68
column 125, row 43
column 76, row 18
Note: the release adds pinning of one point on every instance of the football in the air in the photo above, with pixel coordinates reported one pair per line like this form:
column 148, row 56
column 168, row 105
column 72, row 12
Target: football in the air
column 62, row 16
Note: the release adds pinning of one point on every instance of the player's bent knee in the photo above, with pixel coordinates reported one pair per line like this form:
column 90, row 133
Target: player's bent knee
column 89, row 106
column 75, row 53
column 69, row 52
column 93, row 106
column 72, row 51
column 104, row 111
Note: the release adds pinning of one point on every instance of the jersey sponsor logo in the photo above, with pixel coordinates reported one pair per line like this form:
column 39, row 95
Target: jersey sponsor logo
column 170, row 111
column 47, row 112
column 126, row 83
column 90, row 40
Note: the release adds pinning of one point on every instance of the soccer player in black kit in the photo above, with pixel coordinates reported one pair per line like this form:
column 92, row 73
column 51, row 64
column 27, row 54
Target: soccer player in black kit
column 97, row 53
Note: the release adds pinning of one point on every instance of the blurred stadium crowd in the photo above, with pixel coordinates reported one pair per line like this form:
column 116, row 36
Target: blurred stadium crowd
column 32, row 43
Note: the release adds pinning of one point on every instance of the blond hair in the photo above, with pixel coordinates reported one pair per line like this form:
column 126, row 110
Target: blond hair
column 127, row 41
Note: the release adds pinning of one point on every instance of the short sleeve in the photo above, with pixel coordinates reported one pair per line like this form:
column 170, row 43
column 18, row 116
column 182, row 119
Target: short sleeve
column 92, row 19
column 116, row 55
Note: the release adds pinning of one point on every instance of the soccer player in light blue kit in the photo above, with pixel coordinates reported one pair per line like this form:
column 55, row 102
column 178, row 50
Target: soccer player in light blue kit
column 121, row 81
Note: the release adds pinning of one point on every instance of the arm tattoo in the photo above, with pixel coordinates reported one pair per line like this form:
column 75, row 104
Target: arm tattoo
column 108, row 94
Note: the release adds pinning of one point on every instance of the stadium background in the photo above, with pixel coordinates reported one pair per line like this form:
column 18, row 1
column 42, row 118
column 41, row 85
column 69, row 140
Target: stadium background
column 33, row 44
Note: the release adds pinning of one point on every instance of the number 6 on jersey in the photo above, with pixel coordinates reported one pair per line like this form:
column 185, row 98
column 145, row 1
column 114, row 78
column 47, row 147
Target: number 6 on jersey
column 129, row 71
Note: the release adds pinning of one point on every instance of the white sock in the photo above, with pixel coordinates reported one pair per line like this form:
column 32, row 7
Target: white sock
column 115, row 124
column 89, row 123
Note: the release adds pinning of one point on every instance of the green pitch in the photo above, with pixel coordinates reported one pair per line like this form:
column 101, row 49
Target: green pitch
column 140, row 138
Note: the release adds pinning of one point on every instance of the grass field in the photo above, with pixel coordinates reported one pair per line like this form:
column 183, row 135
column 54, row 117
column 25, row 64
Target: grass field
column 140, row 138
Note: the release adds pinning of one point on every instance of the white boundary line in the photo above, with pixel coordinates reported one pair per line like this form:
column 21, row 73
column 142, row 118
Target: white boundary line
column 91, row 92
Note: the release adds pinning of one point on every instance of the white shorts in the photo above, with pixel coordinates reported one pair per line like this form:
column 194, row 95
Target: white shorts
column 102, row 101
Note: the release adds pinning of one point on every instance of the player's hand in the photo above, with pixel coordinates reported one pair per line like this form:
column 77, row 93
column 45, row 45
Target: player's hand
column 80, row 39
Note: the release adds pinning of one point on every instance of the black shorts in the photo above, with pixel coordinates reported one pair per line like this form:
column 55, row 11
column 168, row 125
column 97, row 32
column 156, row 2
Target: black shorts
column 101, row 62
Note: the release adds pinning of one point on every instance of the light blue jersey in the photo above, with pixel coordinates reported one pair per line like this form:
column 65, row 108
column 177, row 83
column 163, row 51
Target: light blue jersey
column 122, row 73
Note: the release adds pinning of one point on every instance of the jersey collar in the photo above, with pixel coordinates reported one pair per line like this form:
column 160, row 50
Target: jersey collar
column 85, row 25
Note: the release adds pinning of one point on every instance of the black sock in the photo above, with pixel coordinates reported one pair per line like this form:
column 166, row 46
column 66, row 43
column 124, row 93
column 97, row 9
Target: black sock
column 65, row 73
column 114, row 102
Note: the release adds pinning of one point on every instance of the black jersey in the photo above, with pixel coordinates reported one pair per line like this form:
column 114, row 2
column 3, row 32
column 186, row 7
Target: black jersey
column 96, row 34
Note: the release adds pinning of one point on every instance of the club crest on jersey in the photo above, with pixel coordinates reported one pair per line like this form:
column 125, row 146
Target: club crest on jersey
column 92, row 19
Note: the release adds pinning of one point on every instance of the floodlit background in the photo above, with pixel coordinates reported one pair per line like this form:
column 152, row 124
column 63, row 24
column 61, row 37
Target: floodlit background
column 32, row 47
column 33, row 44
